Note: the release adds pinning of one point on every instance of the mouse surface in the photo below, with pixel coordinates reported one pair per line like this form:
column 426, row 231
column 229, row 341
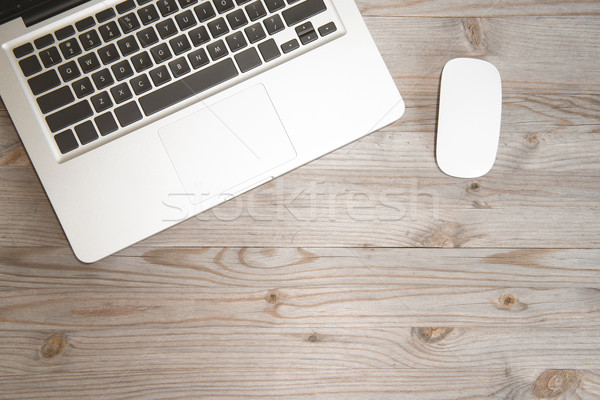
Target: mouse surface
column 469, row 118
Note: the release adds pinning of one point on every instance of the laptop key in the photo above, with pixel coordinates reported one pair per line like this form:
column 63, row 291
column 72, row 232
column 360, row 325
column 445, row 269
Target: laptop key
column 236, row 41
column 188, row 86
column 309, row 37
column 198, row 58
column 70, row 48
column 269, row 50
column 125, row 6
column 23, row 50
column 304, row 28
column 66, row 141
column 223, row 5
column 129, row 23
column 217, row 50
column 84, row 24
column 148, row 14
column 160, row 75
column 274, row 5
column 327, row 29
column 255, row 33
column 101, row 102
column 128, row 114
column 109, row 31
column 187, row 3
column 161, row 53
column 204, row 11
column 50, row 57
column 30, row 65
column 167, row 7
column 147, row 37
column 105, row 15
column 180, row 44
column 55, row 100
column 179, row 67
column 128, row 46
column 290, row 46
column 44, row 82
column 140, row 84
column 106, row 124
column 121, row 93
column 303, row 11
column 65, row 32
column 69, row 116
column 86, row 132
column 83, row 87
column 44, row 41
column 248, row 59
column 89, row 62
column 108, row 54
column 69, row 71
column 166, row 28
column 141, row 61
column 89, row 40
column 199, row 36
column 255, row 10
column 185, row 20
column 122, row 70
column 237, row 19
column 102, row 79
column 218, row 27
column 273, row 24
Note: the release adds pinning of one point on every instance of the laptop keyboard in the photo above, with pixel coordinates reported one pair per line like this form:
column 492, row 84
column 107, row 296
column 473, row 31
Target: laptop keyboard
column 106, row 74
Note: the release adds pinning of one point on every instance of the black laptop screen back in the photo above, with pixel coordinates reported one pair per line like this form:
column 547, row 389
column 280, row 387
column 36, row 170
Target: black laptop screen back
column 34, row 11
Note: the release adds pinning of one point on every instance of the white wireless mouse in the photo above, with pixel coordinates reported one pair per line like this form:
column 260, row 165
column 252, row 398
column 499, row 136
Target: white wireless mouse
column 469, row 118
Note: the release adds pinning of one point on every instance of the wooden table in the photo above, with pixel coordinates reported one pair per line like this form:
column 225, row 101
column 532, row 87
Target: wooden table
column 367, row 274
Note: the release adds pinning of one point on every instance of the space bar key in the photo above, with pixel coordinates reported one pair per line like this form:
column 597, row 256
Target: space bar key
column 189, row 86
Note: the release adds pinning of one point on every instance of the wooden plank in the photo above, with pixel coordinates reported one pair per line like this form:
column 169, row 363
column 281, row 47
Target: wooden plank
column 539, row 55
column 284, row 382
column 302, row 288
column 235, row 343
column 477, row 8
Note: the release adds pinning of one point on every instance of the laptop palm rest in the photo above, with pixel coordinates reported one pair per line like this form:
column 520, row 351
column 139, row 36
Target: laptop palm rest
column 223, row 148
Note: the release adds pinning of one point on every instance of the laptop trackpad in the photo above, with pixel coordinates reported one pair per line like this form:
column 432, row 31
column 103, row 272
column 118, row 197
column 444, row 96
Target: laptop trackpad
column 226, row 146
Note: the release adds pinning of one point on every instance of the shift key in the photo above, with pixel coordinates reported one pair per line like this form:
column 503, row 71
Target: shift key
column 69, row 116
column 303, row 11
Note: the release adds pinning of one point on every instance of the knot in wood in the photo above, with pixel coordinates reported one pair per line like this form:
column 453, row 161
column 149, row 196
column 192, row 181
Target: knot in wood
column 555, row 382
column 474, row 33
column 53, row 346
column 272, row 297
column 313, row 338
column 431, row 335
column 475, row 187
column 532, row 141
column 508, row 300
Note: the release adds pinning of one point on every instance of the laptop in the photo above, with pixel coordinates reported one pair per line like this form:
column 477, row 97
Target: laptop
column 125, row 106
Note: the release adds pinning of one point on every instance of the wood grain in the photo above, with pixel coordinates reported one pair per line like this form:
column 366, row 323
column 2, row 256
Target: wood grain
column 315, row 308
column 479, row 8
column 299, row 383
column 367, row 274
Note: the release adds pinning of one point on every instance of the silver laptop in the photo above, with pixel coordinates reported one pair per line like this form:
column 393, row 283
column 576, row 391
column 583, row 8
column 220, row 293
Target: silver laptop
column 123, row 105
